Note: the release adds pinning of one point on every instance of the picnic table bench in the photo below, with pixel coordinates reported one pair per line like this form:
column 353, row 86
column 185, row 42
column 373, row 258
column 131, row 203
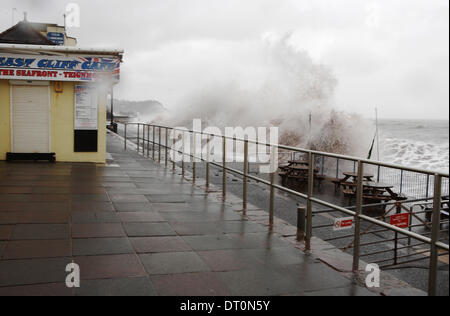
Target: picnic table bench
column 298, row 170
column 428, row 208
column 349, row 177
column 354, row 176
column 375, row 191
column 299, row 162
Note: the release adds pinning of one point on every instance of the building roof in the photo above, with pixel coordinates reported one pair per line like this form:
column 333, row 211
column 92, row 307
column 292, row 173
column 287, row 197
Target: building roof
column 60, row 50
column 24, row 33
column 42, row 27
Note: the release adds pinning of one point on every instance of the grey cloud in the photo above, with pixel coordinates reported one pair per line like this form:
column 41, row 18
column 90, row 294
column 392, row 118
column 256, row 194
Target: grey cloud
column 375, row 48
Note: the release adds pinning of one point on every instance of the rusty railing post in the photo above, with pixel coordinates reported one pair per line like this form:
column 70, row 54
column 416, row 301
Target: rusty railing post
column 182, row 155
column 154, row 141
column 174, row 143
column 148, row 141
column 358, row 212
column 143, row 139
column 194, row 158
column 244, row 198
column 309, row 206
column 138, row 136
column 166, row 152
column 224, row 167
column 272, row 187
column 125, row 136
column 435, row 228
column 159, row 144
column 208, row 157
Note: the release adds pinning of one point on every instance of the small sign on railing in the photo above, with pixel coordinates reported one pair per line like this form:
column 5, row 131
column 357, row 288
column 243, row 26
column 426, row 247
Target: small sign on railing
column 400, row 220
column 343, row 223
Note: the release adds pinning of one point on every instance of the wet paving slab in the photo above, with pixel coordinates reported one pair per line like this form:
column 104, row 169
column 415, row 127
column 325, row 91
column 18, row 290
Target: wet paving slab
column 136, row 228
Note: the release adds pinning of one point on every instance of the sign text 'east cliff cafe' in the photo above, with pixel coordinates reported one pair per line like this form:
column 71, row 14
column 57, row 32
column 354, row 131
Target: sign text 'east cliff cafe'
column 58, row 68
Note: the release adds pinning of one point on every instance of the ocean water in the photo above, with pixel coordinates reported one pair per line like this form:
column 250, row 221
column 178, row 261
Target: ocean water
column 415, row 143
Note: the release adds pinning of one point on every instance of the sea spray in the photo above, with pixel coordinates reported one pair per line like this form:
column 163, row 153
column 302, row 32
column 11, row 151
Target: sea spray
column 276, row 84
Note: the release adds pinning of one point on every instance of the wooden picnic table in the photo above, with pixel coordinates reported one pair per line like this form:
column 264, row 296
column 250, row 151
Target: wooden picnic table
column 354, row 176
column 383, row 187
column 377, row 190
column 299, row 162
column 300, row 167
column 372, row 190
column 299, row 172
column 292, row 163
column 444, row 210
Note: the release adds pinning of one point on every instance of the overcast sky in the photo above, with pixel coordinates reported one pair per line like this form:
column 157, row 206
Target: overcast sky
column 390, row 54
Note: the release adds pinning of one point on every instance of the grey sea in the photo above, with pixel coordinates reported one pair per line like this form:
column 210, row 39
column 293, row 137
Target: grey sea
column 419, row 143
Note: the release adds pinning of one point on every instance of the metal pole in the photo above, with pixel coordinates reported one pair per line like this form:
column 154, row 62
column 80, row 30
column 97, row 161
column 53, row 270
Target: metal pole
column 224, row 170
column 194, row 163
column 301, row 223
column 378, row 134
column 166, row 155
column 154, row 141
column 358, row 211
column 112, row 106
column 337, row 168
column 436, row 225
column 411, row 211
column 159, row 145
column 272, row 199
column 143, row 136
column 244, row 198
column 148, row 141
column 208, row 157
column 428, row 186
column 125, row 136
column 174, row 141
column 143, row 139
column 182, row 155
column 378, row 173
column 309, row 205
column 398, row 211
column 201, row 146
column 138, row 136
column 401, row 181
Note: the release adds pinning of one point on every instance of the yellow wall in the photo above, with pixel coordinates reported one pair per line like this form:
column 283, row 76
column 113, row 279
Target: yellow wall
column 5, row 130
column 62, row 124
column 62, row 127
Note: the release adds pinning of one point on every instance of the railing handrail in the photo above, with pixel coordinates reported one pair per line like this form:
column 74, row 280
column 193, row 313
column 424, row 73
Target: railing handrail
column 305, row 196
column 434, row 242
column 307, row 151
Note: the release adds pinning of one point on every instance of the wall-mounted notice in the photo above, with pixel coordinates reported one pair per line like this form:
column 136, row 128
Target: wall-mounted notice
column 86, row 108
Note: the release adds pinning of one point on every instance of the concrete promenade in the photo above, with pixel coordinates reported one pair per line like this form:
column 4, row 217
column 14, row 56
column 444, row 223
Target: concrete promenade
column 135, row 228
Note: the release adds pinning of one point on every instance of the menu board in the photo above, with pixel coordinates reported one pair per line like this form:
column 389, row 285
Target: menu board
column 86, row 108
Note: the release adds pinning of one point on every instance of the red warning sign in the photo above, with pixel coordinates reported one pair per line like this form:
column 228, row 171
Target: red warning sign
column 400, row 220
column 343, row 223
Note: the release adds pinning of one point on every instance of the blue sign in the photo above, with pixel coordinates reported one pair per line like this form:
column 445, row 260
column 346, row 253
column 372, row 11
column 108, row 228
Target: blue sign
column 57, row 38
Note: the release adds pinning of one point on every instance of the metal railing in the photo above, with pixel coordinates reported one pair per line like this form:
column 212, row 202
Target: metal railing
column 153, row 143
column 413, row 184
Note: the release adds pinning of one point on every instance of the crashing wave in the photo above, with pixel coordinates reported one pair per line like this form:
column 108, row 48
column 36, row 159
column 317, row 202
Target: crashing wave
column 278, row 86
